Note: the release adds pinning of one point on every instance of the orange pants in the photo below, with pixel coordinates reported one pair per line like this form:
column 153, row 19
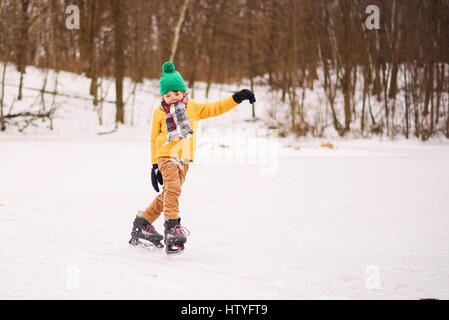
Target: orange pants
column 174, row 174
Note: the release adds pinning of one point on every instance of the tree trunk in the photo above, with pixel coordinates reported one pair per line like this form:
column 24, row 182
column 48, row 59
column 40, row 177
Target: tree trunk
column 365, row 89
column 211, row 46
column 440, row 79
column 347, row 64
column 119, row 60
column 195, row 53
column 407, row 103
column 293, row 65
column 23, row 43
column 178, row 29
column 2, row 120
column 250, row 53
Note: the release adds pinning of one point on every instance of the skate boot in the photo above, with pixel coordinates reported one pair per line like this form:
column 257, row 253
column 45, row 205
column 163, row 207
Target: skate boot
column 142, row 229
column 175, row 236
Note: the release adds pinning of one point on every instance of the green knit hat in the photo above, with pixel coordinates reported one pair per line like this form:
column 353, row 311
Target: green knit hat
column 171, row 79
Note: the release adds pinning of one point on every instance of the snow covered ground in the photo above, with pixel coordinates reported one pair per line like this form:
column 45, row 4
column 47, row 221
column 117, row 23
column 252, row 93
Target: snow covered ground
column 270, row 217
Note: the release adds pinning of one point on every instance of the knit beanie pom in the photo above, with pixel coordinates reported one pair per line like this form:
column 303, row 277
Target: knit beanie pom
column 171, row 80
column 168, row 67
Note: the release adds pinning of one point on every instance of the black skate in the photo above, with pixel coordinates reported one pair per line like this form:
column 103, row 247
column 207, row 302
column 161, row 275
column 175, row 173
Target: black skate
column 142, row 229
column 175, row 236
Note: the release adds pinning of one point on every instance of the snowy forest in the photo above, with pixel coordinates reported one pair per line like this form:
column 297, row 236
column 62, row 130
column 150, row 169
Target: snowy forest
column 391, row 79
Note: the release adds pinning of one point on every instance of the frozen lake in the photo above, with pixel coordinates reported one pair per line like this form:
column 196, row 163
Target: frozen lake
column 366, row 220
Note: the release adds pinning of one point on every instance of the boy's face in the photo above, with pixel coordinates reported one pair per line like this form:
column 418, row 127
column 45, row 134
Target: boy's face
column 173, row 96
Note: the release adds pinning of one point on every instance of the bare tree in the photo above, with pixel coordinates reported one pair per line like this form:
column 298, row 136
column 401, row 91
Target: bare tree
column 119, row 57
column 178, row 30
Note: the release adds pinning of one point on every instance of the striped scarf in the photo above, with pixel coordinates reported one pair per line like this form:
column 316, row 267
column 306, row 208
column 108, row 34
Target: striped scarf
column 178, row 124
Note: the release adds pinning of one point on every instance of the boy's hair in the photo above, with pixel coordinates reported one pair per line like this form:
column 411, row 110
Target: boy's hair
column 176, row 91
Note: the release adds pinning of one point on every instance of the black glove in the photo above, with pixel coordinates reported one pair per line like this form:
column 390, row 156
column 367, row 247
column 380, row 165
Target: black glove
column 244, row 94
column 156, row 176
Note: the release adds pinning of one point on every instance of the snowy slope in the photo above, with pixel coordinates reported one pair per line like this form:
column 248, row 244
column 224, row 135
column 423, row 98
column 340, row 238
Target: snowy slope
column 270, row 218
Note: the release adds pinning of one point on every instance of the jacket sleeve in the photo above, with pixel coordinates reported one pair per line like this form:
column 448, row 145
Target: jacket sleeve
column 213, row 109
column 155, row 130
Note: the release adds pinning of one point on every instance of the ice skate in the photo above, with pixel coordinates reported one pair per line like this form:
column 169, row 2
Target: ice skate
column 142, row 229
column 175, row 236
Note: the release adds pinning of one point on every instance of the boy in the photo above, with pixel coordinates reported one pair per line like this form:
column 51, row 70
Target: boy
column 173, row 142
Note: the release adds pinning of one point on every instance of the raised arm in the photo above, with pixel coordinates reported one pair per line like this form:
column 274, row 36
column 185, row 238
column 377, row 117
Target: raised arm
column 213, row 109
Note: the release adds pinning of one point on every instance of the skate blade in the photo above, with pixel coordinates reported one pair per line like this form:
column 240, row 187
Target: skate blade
column 175, row 252
column 145, row 244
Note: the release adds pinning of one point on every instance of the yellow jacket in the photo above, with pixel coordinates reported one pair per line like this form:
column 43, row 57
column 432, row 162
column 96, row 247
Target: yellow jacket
column 184, row 148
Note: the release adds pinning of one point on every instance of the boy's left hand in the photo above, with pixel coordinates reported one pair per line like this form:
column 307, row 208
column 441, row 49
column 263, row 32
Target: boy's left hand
column 156, row 177
column 244, row 94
